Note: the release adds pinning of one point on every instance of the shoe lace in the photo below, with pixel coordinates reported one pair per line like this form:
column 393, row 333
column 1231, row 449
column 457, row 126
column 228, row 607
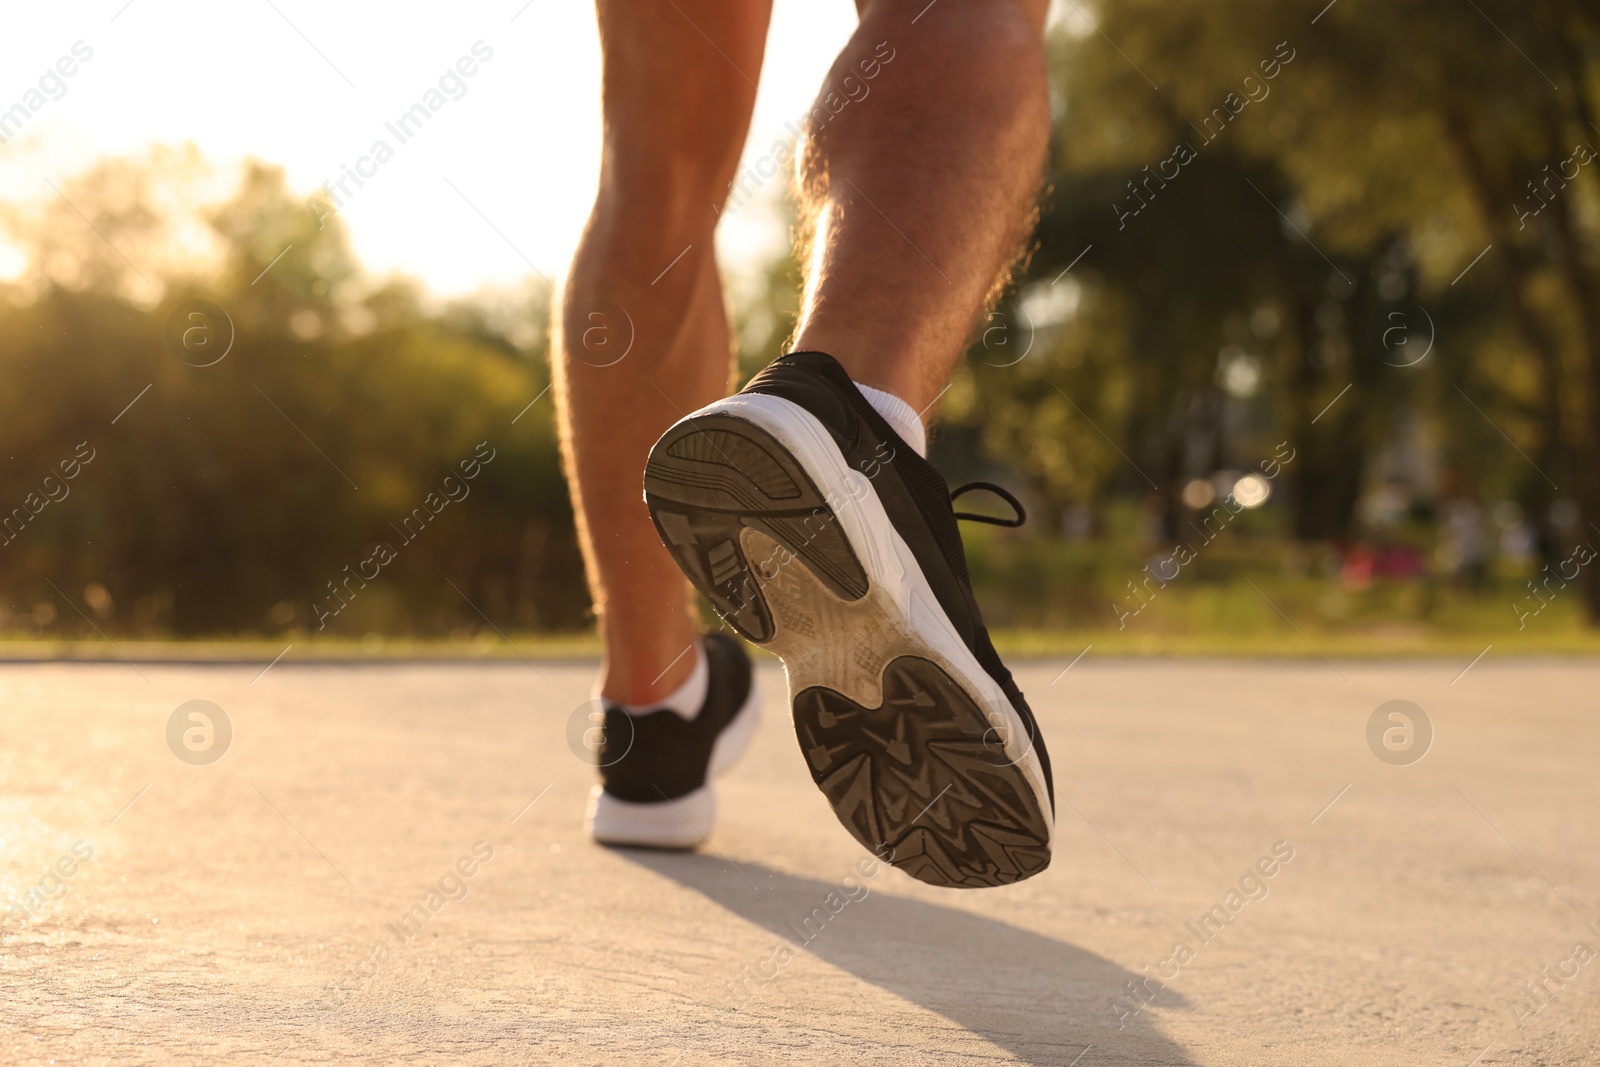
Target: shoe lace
column 993, row 520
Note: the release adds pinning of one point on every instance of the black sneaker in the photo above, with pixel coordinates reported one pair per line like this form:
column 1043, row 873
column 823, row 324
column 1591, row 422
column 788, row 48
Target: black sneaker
column 816, row 531
column 656, row 768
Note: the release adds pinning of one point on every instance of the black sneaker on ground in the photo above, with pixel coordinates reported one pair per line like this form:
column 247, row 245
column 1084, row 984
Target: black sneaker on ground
column 655, row 768
column 817, row 532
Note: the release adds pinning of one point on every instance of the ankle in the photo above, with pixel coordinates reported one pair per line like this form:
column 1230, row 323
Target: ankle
column 636, row 678
column 687, row 697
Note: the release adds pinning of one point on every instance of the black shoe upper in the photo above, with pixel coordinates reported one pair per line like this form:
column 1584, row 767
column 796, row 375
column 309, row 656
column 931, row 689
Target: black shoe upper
column 913, row 494
column 661, row 755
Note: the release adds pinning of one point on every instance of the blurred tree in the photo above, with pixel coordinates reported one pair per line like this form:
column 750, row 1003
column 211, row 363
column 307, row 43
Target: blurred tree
column 1344, row 226
column 1303, row 195
column 243, row 495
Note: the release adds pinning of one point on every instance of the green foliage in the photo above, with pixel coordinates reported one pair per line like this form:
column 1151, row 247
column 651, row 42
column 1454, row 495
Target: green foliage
column 1268, row 208
column 241, row 496
column 1257, row 218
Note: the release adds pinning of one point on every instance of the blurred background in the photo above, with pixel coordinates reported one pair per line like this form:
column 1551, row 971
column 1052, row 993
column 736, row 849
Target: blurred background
column 1305, row 356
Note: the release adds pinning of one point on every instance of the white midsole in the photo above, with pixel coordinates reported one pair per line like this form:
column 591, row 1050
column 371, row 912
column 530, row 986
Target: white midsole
column 680, row 823
column 894, row 575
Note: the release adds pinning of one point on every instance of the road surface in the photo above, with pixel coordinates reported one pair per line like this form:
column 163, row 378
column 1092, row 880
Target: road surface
column 388, row 866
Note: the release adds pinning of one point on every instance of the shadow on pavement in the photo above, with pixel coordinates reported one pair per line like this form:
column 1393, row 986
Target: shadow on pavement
column 1041, row 999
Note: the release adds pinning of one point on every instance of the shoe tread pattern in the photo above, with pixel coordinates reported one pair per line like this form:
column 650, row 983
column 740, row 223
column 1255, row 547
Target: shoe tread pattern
column 923, row 775
column 905, row 755
column 711, row 478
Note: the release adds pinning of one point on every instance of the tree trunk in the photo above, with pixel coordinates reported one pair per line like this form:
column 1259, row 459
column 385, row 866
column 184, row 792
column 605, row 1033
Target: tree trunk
column 1556, row 460
column 1586, row 293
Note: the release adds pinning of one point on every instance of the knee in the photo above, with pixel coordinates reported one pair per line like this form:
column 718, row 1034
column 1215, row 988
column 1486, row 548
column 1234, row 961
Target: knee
column 984, row 56
column 667, row 177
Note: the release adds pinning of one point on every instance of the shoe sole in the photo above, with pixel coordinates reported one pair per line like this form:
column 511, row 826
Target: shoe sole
column 917, row 748
column 683, row 822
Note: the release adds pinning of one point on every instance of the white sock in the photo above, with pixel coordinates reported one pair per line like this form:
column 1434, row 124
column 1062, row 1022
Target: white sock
column 900, row 417
column 687, row 699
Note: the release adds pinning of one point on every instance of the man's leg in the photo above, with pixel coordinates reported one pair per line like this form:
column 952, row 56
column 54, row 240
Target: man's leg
column 797, row 509
column 678, row 89
column 919, row 192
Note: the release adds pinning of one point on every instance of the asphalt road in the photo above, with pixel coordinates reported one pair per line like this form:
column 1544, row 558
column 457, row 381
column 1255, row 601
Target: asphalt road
column 273, row 907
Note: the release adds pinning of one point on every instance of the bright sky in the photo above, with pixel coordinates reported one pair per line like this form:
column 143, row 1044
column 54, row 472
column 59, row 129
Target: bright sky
column 309, row 86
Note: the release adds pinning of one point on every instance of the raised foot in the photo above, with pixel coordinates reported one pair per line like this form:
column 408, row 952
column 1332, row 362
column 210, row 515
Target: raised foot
column 923, row 779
